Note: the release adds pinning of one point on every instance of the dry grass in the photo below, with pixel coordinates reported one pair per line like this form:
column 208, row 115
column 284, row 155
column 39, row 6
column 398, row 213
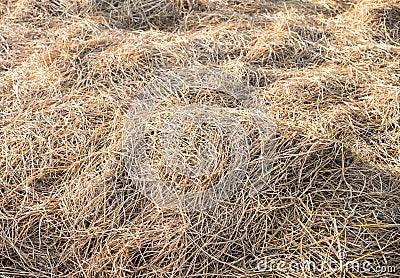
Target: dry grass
column 328, row 74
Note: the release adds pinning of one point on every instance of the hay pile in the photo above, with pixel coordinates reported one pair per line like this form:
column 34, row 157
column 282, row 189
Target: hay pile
column 327, row 74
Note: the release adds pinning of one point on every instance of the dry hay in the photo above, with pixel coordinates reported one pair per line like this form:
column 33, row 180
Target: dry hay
column 191, row 139
column 327, row 72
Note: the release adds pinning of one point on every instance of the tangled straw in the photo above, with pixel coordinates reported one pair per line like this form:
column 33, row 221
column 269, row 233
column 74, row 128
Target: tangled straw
column 195, row 137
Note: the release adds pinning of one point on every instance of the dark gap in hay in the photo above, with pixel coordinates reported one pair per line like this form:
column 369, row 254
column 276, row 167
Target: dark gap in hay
column 334, row 91
column 158, row 249
column 258, row 79
column 47, row 181
column 85, row 62
column 309, row 170
column 128, row 203
column 5, row 66
column 293, row 55
column 8, row 264
column 379, row 57
column 125, row 14
column 85, row 52
column 302, row 48
column 387, row 21
column 6, row 50
column 335, row 7
column 142, row 14
column 57, row 8
column 11, row 201
column 35, row 249
column 34, row 13
column 188, row 6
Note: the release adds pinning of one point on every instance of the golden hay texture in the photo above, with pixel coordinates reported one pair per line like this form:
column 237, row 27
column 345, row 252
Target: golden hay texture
column 328, row 74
